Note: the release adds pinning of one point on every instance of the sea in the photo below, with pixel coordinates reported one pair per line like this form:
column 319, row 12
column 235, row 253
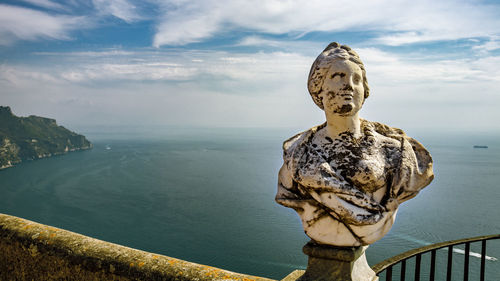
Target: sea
column 207, row 196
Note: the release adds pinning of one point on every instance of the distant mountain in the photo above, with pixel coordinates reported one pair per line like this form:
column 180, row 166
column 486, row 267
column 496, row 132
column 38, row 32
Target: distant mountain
column 33, row 137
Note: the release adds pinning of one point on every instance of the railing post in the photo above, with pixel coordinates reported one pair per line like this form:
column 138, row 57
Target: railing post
column 483, row 259
column 388, row 274
column 450, row 263
column 403, row 270
column 433, row 265
column 417, row 267
column 466, row 261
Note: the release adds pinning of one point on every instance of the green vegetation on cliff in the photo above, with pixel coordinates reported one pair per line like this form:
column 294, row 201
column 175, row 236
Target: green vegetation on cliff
column 33, row 137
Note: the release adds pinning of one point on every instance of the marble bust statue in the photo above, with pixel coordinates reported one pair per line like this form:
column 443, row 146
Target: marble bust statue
column 347, row 177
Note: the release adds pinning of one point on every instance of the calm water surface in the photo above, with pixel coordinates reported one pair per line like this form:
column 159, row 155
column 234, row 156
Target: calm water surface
column 208, row 197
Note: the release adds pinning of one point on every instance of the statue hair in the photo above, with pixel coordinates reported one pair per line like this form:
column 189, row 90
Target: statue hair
column 321, row 67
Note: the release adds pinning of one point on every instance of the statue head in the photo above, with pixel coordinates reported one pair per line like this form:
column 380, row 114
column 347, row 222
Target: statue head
column 323, row 64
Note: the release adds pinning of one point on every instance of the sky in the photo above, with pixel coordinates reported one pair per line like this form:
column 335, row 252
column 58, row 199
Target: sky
column 231, row 63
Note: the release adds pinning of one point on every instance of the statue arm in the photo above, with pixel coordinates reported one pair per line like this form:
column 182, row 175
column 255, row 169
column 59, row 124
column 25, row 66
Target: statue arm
column 414, row 172
column 287, row 194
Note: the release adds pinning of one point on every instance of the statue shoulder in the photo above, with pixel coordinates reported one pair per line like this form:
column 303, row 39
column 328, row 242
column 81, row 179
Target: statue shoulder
column 297, row 140
column 291, row 144
column 407, row 144
column 417, row 158
column 394, row 133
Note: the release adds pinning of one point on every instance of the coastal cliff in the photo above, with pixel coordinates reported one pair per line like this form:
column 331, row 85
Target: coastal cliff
column 33, row 137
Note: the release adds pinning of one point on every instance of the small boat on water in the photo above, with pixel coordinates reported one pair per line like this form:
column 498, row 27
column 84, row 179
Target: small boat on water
column 480, row 146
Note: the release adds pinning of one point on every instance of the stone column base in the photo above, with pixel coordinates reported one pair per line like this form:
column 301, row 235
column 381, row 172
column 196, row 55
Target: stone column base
column 329, row 263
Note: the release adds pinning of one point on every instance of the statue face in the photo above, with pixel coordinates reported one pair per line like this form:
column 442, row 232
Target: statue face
column 342, row 92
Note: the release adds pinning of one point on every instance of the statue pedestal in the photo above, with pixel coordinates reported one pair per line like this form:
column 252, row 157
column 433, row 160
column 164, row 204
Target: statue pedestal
column 329, row 263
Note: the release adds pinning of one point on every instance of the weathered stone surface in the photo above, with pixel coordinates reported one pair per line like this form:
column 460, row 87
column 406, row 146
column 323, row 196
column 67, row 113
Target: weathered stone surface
column 328, row 263
column 336, row 263
column 32, row 251
column 294, row 275
column 347, row 177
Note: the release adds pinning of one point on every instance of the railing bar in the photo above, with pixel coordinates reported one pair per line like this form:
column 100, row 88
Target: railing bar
column 433, row 265
column 466, row 261
column 417, row 267
column 483, row 259
column 450, row 263
column 380, row 267
column 403, row 270
column 388, row 274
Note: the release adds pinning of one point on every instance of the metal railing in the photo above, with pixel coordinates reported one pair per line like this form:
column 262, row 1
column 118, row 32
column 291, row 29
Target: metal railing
column 388, row 264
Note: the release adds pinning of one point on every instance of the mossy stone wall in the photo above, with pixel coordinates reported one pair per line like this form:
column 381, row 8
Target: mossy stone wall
column 33, row 251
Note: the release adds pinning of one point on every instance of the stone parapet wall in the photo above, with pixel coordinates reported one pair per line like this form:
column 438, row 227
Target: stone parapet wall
column 33, row 251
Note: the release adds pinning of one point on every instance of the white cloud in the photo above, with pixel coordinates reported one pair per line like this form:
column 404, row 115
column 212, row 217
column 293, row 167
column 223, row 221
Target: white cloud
column 490, row 45
column 407, row 21
column 120, row 65
column 123, row 65
column 182, row 22
column 177, row 29
column 109, row 53
column 130, row 72
column 121, row 9
column 46, row 4
column 215, row 88
column 389, row 68
column 18, row 23
column 21, row 23
column 259, row 41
